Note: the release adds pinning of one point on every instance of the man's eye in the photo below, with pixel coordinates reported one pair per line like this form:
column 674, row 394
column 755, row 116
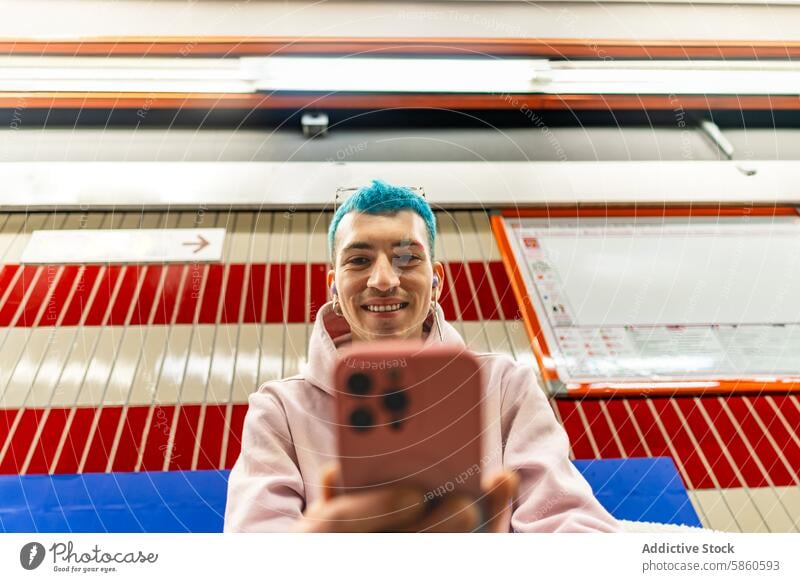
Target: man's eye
column 405, row 260
column 358, row 261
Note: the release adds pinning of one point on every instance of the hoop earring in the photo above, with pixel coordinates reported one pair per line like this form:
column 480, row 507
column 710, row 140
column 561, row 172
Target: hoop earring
column 336, row 308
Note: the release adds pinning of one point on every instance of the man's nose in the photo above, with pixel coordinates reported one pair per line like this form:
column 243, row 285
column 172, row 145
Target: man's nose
column 383, row 276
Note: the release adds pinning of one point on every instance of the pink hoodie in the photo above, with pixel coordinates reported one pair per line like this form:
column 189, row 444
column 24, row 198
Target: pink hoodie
column 289, row 437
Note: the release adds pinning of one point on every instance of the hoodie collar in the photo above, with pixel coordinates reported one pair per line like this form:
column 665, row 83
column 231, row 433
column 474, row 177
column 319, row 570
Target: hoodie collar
column 332, row 332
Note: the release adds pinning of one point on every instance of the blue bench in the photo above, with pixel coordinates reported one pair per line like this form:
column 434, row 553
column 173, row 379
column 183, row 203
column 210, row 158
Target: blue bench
column 194, row 501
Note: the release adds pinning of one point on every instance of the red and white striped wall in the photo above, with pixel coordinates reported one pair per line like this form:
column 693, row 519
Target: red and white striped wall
column 148, row 367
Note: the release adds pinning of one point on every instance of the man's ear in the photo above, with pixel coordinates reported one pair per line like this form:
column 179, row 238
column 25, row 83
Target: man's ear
column 438, row 271
column 330, row 278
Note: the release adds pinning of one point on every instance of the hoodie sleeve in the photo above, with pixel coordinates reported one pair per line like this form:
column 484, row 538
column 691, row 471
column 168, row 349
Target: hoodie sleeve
column 553, row 496
column 265, row 488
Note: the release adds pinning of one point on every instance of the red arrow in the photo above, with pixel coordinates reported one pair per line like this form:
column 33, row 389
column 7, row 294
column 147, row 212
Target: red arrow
column 201, row 244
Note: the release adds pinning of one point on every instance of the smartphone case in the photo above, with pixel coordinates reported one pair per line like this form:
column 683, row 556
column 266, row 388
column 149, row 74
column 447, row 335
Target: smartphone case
column 409, row 414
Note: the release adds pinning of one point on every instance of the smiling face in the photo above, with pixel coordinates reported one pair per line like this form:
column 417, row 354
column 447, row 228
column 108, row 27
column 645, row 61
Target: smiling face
column 384, row 274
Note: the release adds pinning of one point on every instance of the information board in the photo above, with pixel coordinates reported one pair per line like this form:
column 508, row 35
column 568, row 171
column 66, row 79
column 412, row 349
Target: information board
column 660, row 303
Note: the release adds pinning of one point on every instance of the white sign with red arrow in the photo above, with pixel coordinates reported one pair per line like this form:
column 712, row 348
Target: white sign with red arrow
column 156, row 245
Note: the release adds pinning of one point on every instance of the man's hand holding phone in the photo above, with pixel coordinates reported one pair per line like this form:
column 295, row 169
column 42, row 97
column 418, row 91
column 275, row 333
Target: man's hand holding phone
column 400, row 508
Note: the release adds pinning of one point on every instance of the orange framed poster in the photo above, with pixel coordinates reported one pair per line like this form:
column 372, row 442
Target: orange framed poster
column 654, row 300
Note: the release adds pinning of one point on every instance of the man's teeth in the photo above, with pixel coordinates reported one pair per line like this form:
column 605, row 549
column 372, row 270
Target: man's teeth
column 378, row 308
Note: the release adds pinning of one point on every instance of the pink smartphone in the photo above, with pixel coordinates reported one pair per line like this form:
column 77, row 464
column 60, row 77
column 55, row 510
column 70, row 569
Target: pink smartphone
column 409, row 414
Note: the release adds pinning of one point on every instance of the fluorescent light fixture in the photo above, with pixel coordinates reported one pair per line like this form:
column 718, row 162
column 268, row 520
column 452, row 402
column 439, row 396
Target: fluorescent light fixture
column 384, row 75
column 125, row 75
column 485, row 76
column 672, row 78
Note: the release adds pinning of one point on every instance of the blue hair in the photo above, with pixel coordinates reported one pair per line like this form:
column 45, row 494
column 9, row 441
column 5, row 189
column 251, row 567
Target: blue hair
column 378, row 198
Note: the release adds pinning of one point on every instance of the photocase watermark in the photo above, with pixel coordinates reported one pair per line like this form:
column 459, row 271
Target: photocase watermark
column 359, row 364
column 196, row 268
column 680, row 122
column 31, row 555
column 163, row 424
column 16, row 115
column 450, row 485
column 570, row 19
column 472, row 471
column 492, row 24
column 348, row 151
column 142, row 112
column 537, row 121
column 65, row 558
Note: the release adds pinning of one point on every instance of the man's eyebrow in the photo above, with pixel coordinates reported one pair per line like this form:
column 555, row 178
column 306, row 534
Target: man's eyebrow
column 366, row 246
column 358, row 246
column 408, row 242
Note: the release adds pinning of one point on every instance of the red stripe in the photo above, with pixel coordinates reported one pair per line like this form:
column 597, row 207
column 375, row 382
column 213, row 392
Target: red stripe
column 130, row 439
column 625, row 429
column 74, row 444
column 7, row 416
column 783, row 438
column 211, row 439
column 7, row 273
column 723, row 471
column 210, row 304
column 736, row 446
column 21, row 441
column 446, row 301
column 581, row 446
column 465, row 299
column 295, row 305
column 233, row 294
column 214, row 428
column 785, row 404
column 255, row 294
column 600, row 430
column 235, row 434
column 505, row 294
column 157, row 440
column 760, row 443
column 147, row 294
column 83, row 289
column 185, row 438
column 689, row 455
column 483, row 289
column 58, row 299
column 319, row 288
column 169, row 295
column 45, row 449
column 297, row 294
column 650, row 431
column 122, row 303
column 16, row 295
column 192, row 289
column 277, row 278
column 31, row 309
column 103, row 440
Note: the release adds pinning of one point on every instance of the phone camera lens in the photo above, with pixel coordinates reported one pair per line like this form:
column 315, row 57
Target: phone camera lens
column 359, row 384
column 361, row 419
column 395, row 401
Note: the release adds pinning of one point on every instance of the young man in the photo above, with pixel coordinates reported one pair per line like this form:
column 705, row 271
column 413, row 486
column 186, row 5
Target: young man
column 385, row 285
